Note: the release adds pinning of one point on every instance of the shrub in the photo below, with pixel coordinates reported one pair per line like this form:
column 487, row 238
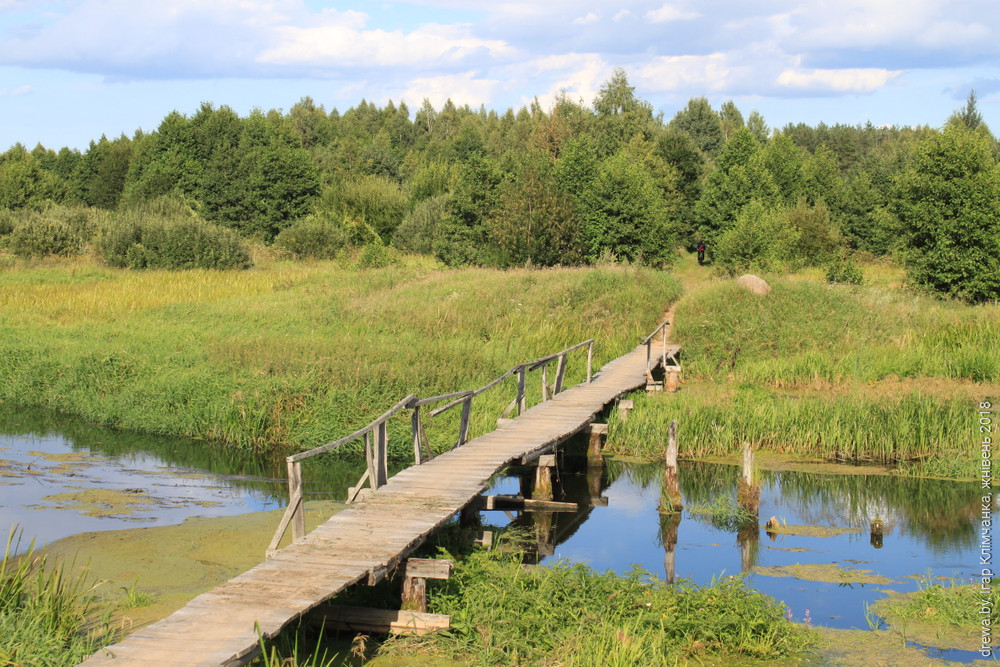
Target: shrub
column 315, row 237
column 376, row 256
column 844, row 270
column 419, row 229
column 7, row 221
column 38, row 235
column 761, row 239
column 946, row 201
column 143, row 239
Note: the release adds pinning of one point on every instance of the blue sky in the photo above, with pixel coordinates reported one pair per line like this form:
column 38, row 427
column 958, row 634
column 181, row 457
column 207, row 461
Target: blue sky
column 72, row 70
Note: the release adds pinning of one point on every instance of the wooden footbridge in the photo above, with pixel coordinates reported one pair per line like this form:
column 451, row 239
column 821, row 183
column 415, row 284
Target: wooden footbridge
column 388, row 520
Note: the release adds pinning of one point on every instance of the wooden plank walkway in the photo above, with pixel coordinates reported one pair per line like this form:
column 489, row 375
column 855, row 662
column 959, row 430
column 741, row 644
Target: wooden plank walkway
column 367, row 540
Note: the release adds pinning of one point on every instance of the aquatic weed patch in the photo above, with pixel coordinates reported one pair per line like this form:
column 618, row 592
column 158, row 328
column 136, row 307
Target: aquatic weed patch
column 505, row 613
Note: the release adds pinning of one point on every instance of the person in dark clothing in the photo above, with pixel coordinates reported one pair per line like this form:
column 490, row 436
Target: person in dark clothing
column 701, row 252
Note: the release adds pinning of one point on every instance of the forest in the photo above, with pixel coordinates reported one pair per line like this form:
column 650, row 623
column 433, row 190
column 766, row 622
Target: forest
column 570, row 185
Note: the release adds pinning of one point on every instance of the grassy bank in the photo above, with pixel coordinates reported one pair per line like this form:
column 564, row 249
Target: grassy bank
column 45, row 607
column 872, row 373
column 291, row 355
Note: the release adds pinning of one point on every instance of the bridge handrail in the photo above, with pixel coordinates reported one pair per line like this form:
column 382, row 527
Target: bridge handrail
column 652, row 362
column 407, row 402
column 376, row 451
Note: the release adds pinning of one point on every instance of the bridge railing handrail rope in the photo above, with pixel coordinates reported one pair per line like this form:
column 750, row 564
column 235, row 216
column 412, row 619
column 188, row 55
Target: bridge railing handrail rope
column 652, row 362
column 376, row 436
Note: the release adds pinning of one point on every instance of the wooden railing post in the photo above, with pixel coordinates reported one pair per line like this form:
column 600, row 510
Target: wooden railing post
column 381, row 456
column 522, row 400
column 370, row 460
column 590, row 362
column 415, row 426
column 463, row 427
column 560, row 372
column 545, row 382
column 295, row 500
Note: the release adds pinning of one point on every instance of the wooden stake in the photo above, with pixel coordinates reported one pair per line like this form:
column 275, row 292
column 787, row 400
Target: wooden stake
column 671, row 500
column 748, row 493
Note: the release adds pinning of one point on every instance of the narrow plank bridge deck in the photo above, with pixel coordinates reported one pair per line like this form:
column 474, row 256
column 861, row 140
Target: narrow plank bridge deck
column 366, row 540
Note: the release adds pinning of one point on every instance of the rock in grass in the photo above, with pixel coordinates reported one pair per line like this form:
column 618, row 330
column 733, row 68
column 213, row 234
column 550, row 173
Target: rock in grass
column 754, row 284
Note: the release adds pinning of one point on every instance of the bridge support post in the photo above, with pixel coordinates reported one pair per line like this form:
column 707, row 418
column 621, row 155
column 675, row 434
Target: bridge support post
column 598, row 435
column 543, row 477
column 415, row 576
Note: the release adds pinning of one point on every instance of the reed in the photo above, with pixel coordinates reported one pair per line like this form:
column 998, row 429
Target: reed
column 44, row 609
column 909, row 427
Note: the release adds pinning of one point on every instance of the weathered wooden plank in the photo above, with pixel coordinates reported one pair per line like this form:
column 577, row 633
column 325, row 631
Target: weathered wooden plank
column 373, row 537
column 363, row 619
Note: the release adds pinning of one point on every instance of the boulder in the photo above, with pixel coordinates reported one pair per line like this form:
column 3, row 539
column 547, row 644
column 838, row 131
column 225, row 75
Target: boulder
column 754, row 284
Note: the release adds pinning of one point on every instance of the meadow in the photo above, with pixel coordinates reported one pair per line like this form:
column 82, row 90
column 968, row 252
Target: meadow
column 289, row 356
column 872, row 373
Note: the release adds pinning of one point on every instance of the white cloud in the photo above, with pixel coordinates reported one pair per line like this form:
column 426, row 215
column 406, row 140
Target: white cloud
column 855, row 80
column 590, row 17
column 464, row 88
column 622, row 15
column 713, row 72
column 578, row 75
column 668, row 13
column 17, row 92
column 338, row 44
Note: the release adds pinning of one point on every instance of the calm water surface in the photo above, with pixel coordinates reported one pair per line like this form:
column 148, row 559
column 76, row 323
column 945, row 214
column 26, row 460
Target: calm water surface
column 59, row 477
column 931, row 532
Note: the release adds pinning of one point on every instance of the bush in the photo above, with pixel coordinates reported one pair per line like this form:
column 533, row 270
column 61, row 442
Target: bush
column 420, row 228
column 761, row 239
column 844, row 270
column 7, row 221
column 38, row 235
column 376, row 256
column 946, row 202
column 315, row 237
column 143, row 239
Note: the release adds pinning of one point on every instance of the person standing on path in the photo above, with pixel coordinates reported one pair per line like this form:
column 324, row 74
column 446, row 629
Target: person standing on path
column 701, row 253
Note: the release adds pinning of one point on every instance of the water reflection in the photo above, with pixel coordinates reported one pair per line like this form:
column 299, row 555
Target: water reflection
column 61, row 476
column 930, row 529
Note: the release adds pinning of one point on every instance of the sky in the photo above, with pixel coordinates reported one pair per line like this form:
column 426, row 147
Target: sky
column 73, row 70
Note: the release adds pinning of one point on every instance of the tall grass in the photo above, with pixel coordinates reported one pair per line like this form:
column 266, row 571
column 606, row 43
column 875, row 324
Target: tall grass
column 503, row 613
column 842, row 373
column 891, row 428
column 805, row 331
column 289, row 356
column 43, row 609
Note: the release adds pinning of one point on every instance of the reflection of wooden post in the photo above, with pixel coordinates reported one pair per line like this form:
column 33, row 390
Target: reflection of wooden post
column 543, row 533
column 543, row 477
column 748, row 493
column 748, row 535
column 876, row 533
column 669, row 523
column 598, row 433
column 671, row 500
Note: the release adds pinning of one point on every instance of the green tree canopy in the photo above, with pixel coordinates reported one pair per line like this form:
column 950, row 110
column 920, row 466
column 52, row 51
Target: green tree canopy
column 947, row 202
